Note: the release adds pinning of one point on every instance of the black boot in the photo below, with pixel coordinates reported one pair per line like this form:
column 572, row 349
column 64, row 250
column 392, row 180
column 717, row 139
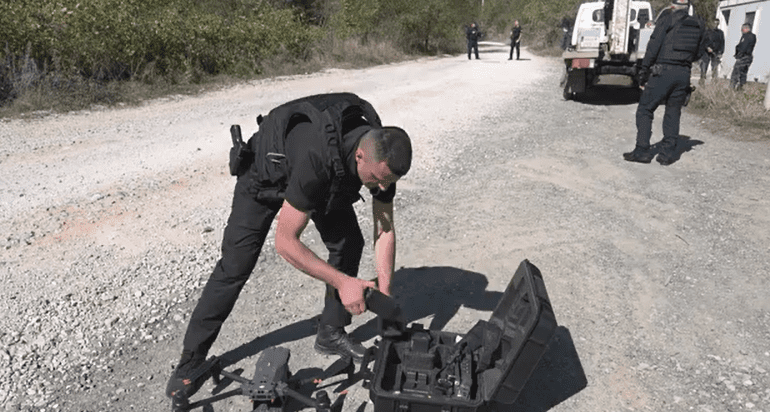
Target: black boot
column 332, row 340
column 639, row 154
column 667, row 154
column 188, row 376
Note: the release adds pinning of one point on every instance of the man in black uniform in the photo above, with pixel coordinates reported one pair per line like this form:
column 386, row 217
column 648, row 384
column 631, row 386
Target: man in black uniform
column 715, row 47
column 743, row 57
column 515, row 40
column 472, row 33
column 677, row 41
column 369, row 155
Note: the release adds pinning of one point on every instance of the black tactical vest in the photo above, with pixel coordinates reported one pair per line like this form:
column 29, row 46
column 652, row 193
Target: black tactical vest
column 327, row 112
column 682, row 40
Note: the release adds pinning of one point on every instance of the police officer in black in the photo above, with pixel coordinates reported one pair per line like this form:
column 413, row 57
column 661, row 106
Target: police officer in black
column 369, row 155
column 715, row 47
column 472, row 34
column 515, row 40
column 676, row 42
column 743, row 57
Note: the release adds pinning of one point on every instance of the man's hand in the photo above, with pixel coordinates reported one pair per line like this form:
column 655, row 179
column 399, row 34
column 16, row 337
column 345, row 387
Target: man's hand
column 642, row 77
column 352, row 294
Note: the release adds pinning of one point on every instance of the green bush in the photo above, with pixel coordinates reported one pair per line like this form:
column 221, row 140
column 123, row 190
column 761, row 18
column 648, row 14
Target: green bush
column 176, row 40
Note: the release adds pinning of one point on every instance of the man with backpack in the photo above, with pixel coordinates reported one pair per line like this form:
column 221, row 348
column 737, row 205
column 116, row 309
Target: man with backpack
column 676, row 42
column 308, row 161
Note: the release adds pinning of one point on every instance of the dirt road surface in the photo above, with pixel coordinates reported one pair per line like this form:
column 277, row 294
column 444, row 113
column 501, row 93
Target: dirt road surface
column 111, row 221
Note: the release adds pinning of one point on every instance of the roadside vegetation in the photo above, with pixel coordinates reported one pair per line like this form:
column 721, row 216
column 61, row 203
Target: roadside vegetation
column 63, row 55
column 741, row 113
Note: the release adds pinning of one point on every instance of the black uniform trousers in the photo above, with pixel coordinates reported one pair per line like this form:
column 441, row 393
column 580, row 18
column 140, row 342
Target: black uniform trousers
column 515, row 45
column 473, row 46
column 244, row 235
column 714, row 60
column 669, row 88
column 740, row 71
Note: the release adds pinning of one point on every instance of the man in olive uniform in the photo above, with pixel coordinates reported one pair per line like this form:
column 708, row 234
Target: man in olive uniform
column 472, row 34
column 320, row 182
column 677, row 41
column 743, row 57
column 715, row 47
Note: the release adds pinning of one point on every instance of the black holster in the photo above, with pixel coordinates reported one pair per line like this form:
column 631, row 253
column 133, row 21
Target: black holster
column 241, row 154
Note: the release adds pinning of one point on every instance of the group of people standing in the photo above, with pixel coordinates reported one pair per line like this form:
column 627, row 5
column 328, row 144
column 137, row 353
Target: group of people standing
column 715, row 47
column 473, row 34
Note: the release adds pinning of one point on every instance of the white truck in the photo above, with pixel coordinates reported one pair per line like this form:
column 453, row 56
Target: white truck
column 608, row 43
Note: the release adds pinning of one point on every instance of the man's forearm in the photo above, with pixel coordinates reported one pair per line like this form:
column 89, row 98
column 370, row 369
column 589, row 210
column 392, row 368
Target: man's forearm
column 385, row 258
column 302, row 258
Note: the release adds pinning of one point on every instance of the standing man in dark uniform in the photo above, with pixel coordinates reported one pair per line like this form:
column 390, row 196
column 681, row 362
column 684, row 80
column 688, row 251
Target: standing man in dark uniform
column 715, row 47
column 743, row 57
column 677, row 41
column 315, row 185
column 515, row 40
column 472, row 33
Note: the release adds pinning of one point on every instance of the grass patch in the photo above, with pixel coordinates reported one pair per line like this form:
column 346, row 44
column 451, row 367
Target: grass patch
column 726, row 109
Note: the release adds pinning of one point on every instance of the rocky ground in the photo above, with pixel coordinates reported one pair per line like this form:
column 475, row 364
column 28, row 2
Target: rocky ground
column 111, row 221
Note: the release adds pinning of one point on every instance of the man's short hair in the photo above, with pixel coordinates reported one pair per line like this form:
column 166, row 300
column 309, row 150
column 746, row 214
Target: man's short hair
column 392, row 145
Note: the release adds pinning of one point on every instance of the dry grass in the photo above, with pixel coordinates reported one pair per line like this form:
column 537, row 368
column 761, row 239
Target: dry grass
column 730, row 109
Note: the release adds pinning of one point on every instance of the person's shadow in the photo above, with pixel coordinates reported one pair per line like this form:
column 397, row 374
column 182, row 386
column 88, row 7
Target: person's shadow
column 420, row 292
column 434, row 291
column 683, row 145
column 438, row 292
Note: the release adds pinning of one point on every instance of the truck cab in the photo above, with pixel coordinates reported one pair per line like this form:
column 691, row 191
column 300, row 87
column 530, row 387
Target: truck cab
column 590, row 30
column 608, row 42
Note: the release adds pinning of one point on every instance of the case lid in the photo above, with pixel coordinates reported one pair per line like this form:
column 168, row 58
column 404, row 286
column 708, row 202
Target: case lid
column 524, row 322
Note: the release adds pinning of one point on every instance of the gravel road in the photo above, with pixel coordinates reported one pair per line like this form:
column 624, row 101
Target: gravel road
column 111, row 220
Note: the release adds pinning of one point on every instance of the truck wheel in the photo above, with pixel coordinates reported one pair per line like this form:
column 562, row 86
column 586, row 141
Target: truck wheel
column 568, row 93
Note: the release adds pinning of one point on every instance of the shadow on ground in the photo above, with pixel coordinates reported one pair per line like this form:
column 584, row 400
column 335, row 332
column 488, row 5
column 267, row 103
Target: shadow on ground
column 683, row 145
column 558, row 376
column 609, row 96
column 436, row 292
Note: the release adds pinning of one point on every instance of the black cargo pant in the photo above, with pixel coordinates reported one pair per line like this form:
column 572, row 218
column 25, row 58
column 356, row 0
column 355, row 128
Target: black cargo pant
column 245, row 233
column 515, row 45
column 740, row 71
column 669, row 88
column 707, row 58
column 473, row 46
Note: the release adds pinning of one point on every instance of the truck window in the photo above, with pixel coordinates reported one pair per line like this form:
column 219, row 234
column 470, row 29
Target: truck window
column 598, row 15
column 644, row 16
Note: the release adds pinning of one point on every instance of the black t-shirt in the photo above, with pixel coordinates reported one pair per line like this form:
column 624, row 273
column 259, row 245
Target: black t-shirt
column 309, row 167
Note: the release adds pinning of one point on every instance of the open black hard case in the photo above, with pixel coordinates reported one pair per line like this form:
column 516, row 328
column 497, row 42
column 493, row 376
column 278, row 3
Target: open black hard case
column 434, row 371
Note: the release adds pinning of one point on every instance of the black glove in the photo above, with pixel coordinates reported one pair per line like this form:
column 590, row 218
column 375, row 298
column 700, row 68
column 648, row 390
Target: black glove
column 643, row 76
